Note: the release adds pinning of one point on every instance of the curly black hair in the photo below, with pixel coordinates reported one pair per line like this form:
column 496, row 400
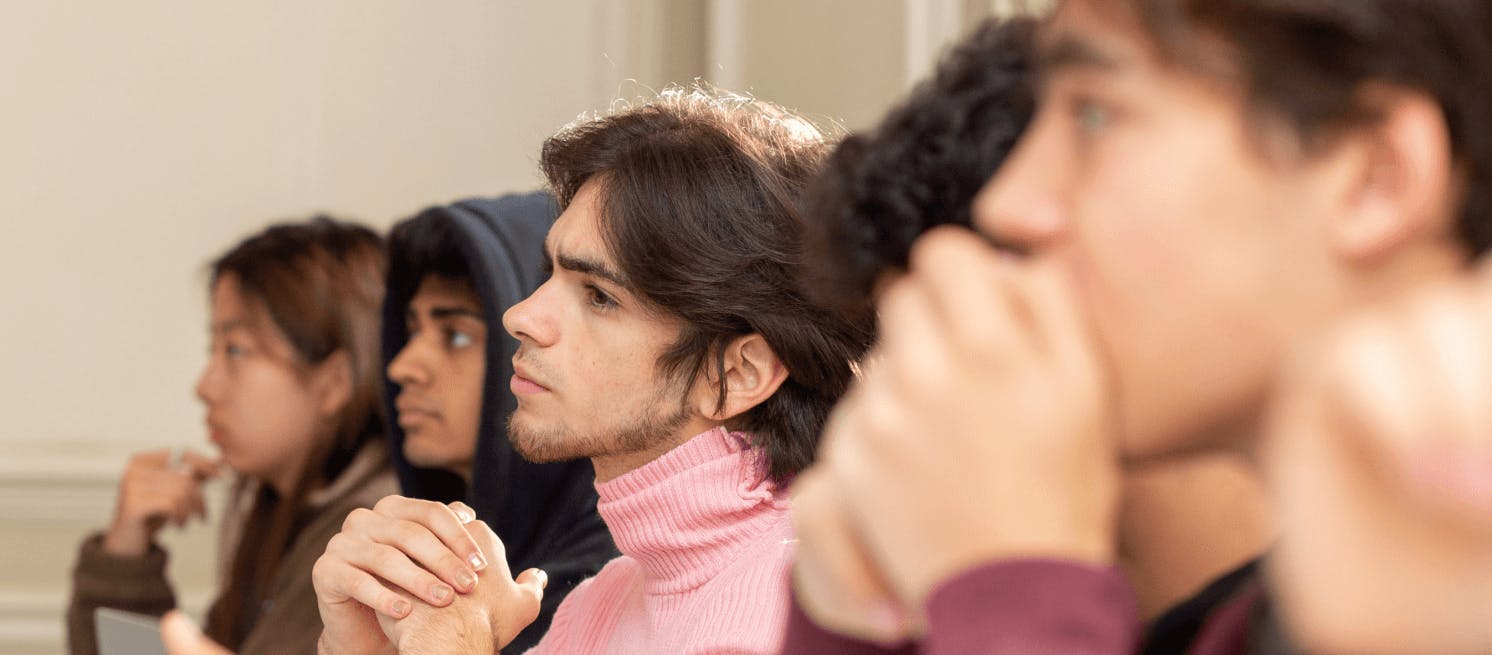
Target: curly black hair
column 920, row 167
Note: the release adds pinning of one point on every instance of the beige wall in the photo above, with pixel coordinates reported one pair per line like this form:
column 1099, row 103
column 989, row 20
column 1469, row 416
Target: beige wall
column 803, row 55
column 140, row 138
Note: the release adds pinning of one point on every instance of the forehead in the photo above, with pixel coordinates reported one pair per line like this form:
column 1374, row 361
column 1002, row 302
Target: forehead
column 231, row 307
column 1113, row 35
column 444, row 291
column 577, row 231
column 1097, row 32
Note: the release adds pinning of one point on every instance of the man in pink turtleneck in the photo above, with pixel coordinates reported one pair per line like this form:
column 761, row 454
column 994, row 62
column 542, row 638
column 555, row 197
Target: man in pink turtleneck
column 671, row 347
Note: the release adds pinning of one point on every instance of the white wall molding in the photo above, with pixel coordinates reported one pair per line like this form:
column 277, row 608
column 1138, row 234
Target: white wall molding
column 52, row 492
column 59, row 483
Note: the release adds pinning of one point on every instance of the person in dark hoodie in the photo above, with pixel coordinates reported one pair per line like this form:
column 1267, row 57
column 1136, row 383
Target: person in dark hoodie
column 453, row 271
column 1206, row 188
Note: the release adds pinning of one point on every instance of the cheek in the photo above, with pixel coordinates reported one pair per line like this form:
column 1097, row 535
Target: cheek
column 1177, row 283
column 617, row 372
column 471, row 379
column 276, row 420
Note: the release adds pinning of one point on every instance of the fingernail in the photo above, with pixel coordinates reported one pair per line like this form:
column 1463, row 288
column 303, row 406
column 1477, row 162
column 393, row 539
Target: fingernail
column 477, row 561
column 441, row 593
column 466, row 581
column 543, row 578
column 401, row 608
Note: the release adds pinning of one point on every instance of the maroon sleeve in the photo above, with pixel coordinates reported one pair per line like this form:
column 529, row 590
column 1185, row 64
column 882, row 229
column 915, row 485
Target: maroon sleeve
column 1028, row 606
column 804, row 637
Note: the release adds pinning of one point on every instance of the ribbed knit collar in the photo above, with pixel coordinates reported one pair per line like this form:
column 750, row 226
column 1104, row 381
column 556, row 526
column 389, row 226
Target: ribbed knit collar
column 682, row 516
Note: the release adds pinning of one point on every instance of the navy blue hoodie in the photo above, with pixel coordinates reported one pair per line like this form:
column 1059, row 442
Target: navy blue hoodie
column 544, row 513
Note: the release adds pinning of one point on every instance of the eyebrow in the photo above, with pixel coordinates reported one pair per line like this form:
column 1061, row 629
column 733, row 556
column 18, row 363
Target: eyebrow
column 228, row 325
column 447, row 311
column 583, row 266
column 1068, row 52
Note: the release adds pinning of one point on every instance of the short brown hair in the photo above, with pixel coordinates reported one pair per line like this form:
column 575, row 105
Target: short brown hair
column 698, row 205
column 1308, row 61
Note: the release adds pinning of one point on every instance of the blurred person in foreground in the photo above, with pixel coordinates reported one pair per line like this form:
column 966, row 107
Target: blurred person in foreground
column 1380, row 456
column 1206, row 188
column 1189, row 530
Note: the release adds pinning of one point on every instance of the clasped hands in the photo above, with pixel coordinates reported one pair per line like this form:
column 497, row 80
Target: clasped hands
column 413, row 576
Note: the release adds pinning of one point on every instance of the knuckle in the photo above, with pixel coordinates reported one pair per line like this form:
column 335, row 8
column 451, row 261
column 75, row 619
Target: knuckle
column 338, row 545
column 487, row 540
column 404, row 532
column 370, row 592
column 451, row 564
column 321, row 570
column 357, row 518
column 387, row 559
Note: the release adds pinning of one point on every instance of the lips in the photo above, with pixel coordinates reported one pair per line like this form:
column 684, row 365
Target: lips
column 522, row 377
column 215, row 431
column 413, row 411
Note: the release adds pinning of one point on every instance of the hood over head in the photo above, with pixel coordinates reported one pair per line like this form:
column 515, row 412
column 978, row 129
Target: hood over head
column 544, row 513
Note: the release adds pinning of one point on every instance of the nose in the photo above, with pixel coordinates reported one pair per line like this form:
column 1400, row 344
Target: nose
column 409, row 367
column 209, row 383
column 1022, row 206
column 532, row 320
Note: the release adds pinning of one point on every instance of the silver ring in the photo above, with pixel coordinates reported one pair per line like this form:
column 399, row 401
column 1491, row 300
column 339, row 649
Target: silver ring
column 175, row 460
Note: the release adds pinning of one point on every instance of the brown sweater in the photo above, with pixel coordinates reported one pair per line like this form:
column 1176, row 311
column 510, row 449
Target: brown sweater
column 288, row 621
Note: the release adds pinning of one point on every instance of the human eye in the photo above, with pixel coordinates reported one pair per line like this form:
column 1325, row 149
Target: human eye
column 598, row 298
column 235, row 351
column 458, row 339
column 1090, row 116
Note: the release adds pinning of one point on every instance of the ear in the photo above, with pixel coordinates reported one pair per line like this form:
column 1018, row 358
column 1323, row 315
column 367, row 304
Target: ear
column 1402, row 177
column 752, row 373
column 331, row 382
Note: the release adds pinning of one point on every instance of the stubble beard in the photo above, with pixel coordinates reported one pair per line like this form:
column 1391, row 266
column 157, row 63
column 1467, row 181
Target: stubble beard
column 655, row 423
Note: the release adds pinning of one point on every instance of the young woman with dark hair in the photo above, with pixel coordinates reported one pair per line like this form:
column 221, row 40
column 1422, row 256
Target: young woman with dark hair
column 291, row 390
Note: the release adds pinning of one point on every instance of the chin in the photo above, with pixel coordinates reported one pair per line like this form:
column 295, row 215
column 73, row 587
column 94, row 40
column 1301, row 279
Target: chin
column 234, row 461
column 420, row 452
column 540, row 446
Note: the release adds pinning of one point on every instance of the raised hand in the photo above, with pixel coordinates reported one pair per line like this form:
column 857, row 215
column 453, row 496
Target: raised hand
column 1380, row 459
column 984, row 430
column 153, row 492
column 834, row 578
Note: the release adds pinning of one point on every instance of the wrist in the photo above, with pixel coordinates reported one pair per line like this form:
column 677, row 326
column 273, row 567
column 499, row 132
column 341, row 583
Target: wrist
column 126, row 541
column 464, row 629
column 965, row 552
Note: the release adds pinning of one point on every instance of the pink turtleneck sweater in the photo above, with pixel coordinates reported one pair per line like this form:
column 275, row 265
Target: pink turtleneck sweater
column 707, row 547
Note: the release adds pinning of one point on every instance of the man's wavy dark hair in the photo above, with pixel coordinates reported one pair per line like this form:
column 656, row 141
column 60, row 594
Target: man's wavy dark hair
column 698, row 194
column 921, row 167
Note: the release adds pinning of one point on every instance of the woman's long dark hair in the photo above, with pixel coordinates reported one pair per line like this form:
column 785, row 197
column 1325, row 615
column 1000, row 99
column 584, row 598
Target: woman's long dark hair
column 320, row 283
